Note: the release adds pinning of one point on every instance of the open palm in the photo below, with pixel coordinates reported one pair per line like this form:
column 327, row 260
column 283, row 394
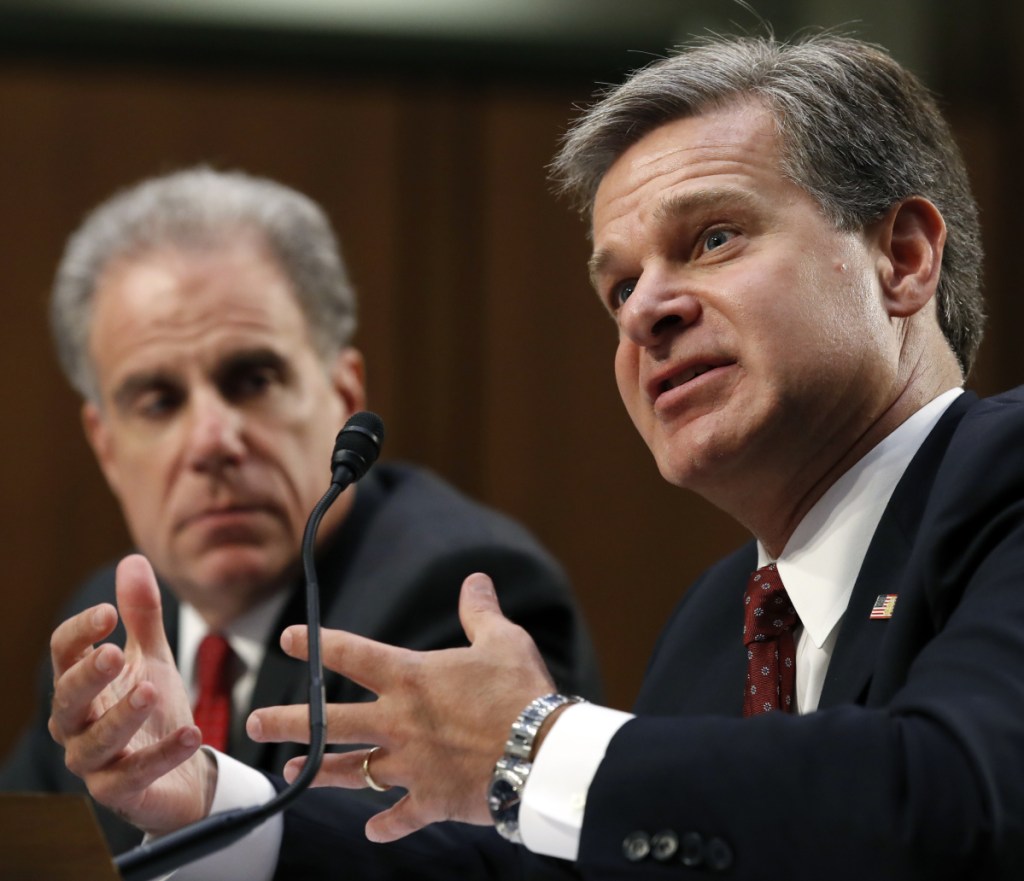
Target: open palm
column 123, row 717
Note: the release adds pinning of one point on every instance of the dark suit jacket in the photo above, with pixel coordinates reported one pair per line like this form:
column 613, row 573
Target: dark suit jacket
column 911, row 769
column 913, row 765
column 392, row 573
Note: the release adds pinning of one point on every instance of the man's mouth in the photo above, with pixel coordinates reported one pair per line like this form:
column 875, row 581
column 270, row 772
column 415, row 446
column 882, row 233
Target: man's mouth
column 223, row 514
column 683, row 377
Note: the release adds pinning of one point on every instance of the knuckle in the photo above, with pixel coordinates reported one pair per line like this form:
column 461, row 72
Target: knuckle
column 138, row 772
column 518, row 636
column 56, row 732
column 107, row 788
column 73, row 761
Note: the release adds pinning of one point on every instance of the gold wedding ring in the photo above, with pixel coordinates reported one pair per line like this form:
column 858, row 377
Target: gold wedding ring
column 367, row 776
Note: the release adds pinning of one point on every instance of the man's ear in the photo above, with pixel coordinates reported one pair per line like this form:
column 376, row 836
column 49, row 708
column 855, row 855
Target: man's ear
column 910, row 238
column 98, row 434
column 348, row 374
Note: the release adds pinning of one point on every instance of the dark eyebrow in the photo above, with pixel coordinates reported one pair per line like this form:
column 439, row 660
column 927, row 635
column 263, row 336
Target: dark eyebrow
column 250, row 359
column 679, row 205
column 137, row 383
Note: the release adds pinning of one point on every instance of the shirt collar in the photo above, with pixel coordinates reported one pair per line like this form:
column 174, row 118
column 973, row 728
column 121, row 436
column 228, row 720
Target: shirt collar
column 820, row 562
column 248, row 634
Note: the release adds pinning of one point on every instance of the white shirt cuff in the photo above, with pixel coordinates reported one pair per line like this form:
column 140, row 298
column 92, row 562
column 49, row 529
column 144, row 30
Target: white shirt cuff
column 555, row 795
column 253, row 857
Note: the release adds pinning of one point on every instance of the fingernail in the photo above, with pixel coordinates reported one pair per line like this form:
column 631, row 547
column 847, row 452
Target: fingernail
column 138, row 700
column 482, row 587
column 97, row 618
column 254, row 727
column 286, row 640
column 103, row 661
column 189, row 738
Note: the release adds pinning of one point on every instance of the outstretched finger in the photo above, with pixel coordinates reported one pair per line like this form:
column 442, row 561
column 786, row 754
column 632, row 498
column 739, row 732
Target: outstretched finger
column 74, row 639
column 136, row 771
column 403, row 818
column 368, row 663
column 342, row 770
column 74, row 691
column 106, row 738
column 138, row 598
column 346, row 723
column 478, row 605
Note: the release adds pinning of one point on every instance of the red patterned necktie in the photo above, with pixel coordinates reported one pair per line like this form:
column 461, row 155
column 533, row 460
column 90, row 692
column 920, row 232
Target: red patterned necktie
column 212, row 712
column 768, row 622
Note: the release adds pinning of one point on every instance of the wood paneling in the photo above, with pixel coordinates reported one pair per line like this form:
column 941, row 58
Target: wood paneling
column 488, row 358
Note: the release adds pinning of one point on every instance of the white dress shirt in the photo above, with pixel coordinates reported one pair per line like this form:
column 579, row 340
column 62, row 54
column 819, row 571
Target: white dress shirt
column 247, row 635
column 818, row 566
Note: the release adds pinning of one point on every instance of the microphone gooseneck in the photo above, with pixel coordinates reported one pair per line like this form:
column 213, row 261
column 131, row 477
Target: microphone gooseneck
column 355, row 450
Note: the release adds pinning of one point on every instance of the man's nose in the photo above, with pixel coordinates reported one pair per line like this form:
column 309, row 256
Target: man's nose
column 659, row 307
column 214, row 433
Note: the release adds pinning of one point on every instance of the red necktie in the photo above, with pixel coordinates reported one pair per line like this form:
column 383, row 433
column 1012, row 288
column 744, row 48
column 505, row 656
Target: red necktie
column 769, row 619
column 212, row 711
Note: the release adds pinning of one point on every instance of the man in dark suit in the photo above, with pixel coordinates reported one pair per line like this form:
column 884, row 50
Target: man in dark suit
column 206, row 319
column 786, row 240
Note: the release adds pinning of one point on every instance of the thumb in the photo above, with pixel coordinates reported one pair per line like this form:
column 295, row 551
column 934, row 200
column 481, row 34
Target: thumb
column 478, row 605
column 138, row 600
column 396, row 822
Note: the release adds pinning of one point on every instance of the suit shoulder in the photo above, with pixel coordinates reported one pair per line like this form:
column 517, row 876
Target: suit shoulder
column 417, row 502
column 985, row 445
column 96, row 588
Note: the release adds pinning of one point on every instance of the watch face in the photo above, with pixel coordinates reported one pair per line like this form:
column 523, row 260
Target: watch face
column 503, row 800
column 503, row 797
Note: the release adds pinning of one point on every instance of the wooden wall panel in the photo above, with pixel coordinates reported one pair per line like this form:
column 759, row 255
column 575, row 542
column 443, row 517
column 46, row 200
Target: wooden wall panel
column 489, row 357
column 470, row 378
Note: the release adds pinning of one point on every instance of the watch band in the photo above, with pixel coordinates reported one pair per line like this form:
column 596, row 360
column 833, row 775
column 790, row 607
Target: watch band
column 513, row 768
column 526, row 726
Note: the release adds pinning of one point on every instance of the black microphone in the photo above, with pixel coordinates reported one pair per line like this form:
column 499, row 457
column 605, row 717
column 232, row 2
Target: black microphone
column 355, row 450
column 357, row 447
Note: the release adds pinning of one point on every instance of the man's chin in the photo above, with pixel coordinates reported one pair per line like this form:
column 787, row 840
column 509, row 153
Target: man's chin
column 233, row 578
column 698, row 467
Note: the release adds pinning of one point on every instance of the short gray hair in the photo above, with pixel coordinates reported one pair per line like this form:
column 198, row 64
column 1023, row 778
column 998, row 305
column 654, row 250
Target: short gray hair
column 201, row 208
column 857, row 131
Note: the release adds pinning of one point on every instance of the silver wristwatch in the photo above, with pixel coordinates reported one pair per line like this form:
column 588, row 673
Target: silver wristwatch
column 513, row 768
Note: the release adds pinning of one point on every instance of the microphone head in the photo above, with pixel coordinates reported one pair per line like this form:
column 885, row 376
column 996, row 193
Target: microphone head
column 357, row 446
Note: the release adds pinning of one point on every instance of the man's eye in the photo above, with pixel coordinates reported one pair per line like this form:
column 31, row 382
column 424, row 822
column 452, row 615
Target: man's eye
column 717, row 238
column 156, row 404
column 622, row 292
column 250, row 383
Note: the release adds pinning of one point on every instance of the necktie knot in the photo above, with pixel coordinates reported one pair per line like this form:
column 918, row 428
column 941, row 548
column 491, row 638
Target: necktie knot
column 768, row 613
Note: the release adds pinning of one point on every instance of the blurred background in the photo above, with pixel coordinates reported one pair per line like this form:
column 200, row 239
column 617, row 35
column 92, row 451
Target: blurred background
column 424, row 129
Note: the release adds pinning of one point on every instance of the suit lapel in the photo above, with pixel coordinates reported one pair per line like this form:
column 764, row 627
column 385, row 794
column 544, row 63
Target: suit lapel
column 860, row 636
column 169, row 604
column 699, row 665
column 853, row 658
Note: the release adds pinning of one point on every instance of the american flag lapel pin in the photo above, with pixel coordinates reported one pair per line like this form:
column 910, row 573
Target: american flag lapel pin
column 883, row 607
